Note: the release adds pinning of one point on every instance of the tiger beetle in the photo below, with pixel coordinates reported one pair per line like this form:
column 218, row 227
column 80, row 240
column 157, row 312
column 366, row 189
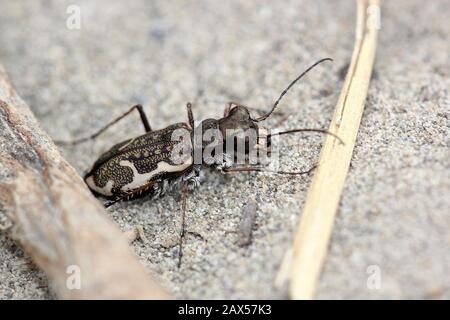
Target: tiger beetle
column 146, row 166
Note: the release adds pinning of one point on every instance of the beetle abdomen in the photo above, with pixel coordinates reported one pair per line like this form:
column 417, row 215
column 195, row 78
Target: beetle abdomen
column 137, row 164
column 119, row 177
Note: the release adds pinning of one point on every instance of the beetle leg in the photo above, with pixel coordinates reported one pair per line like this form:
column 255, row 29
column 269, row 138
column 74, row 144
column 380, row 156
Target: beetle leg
column 128, row 195
column 259, row 169
column 120, row 198
column 109, row 203
column 137, row 107
column 143, row 116
column 184, row 192
column 190, row 115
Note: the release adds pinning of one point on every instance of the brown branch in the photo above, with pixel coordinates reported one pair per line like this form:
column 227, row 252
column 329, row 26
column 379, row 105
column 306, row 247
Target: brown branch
column 47, row 208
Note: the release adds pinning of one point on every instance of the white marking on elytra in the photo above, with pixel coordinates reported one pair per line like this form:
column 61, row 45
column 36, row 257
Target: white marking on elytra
column 140, row 179
column 106, row 190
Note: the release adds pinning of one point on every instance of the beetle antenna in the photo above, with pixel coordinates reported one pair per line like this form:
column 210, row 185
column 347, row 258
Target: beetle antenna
column 264, row 117
column 307, row 130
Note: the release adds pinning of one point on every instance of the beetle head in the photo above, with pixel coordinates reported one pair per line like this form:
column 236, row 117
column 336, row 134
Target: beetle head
column 238, row 119
column 238, row 132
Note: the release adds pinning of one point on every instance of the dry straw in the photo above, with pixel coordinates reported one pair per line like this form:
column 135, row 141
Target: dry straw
column 315, row 227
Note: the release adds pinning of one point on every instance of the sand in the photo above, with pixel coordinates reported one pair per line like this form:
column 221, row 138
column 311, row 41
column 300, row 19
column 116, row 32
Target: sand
column 394, row 214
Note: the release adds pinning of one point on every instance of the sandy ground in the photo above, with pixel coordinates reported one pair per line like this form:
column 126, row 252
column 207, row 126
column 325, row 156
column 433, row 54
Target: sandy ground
column 394, row 214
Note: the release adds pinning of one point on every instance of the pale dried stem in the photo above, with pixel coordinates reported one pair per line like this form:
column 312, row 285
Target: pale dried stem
column 315, row 227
